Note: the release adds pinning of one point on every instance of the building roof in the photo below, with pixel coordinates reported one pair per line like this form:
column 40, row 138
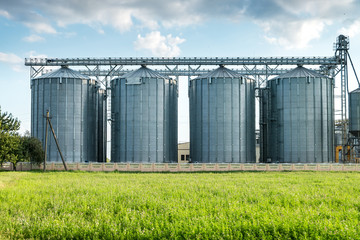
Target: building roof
column 300, row 72
column 143, row 72
column 356, row 91
column 63, row 72
column 221, row 72
column 135, row 77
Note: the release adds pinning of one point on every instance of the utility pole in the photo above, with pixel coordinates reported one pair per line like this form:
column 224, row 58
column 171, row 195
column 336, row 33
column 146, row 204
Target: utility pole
column 56, row 141
column 46, row 137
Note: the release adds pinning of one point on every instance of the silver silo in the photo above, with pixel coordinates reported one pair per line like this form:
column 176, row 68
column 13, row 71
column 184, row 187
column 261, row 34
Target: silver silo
column 222, row 117
column 71, row 100
column 354, row 113
column 299, row 115
column 144, row 117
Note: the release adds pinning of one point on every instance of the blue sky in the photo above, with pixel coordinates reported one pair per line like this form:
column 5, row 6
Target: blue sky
column 177, row 28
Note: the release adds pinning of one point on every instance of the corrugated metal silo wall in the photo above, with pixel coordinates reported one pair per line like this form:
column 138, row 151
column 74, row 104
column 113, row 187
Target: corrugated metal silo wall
column 144, row 121
column 264, row 105
column 102, row 125
column 301, row 120
column 71, row 103
column 354, row 112
column 222, row 120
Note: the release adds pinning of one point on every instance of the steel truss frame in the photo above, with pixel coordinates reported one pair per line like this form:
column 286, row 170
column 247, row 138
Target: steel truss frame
column 258, row 68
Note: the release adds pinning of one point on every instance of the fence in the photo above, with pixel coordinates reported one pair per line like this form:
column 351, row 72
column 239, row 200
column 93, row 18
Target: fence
column 182, row 167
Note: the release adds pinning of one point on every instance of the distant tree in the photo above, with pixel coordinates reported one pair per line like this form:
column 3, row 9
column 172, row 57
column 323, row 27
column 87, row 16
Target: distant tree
column 15, row 148
column 9, row 148
column 9, row 138
column 31, row 149
column 8, row 124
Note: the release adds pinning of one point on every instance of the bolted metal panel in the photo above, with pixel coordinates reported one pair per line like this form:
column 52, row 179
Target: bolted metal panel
column 70, row 98
column 299, row 113
column 144, row 118
column 222, row 118
column 354, row 112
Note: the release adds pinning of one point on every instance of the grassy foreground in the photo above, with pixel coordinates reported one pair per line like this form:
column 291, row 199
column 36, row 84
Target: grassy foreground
column 262, row 205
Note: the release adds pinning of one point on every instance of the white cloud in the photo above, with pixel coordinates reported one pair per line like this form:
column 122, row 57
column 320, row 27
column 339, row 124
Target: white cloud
column 278, row 16
column 158, row 45
column 5, row 14
column 34, row 54
column 40, row 27
column 293, row 34
column 16, row 63
column 33, row 38
column 316, row 8
column 10, row 58
column 352, row 30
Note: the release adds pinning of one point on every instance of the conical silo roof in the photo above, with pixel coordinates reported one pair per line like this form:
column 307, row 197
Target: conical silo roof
column 221, row 72
column 63, row 72
column 301, row 72
column 143, row 72
column 356, row 91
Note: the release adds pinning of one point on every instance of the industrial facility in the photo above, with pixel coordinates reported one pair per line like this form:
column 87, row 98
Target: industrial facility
column 297, row 115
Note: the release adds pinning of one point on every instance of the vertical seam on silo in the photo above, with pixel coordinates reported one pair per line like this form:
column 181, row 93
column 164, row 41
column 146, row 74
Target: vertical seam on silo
column 82, row 122
column 115, row 122
column 307, row 86
column 57, row 113
column 223, row 153
column 322, row 110
column 73, row 118
column 125, row 121
column 134, row 120
column 314, row 121
column 201, row 147
column 239, row 147
column 324, row 120
column 291, row 120
column 149, row 122
column 232, row 120
column 200, row 104
column 33, row 113
column 298, row 120
column 119, row 122
column 141, row 123
column 45, row 111
column 209, row 121
column 65, row 150
column 282, row 120
column 332, row 127
column 329, row 131
column 156, row 122
column 216, row 91
column 164, row 122
column 245, row 147
column 117, row 151
column 332, row 86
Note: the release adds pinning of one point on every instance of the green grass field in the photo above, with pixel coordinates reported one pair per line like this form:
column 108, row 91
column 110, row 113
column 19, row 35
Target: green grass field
column 248, row 205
